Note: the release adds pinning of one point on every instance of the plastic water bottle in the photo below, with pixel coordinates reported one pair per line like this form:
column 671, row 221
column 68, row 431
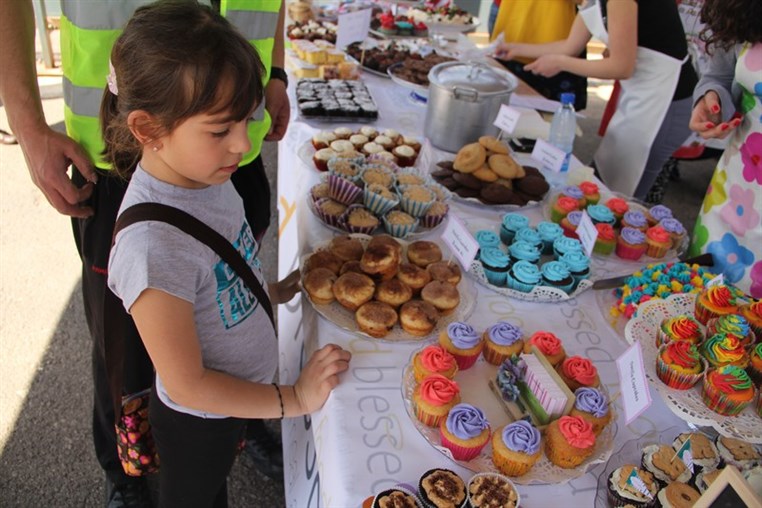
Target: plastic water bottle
column 564, row 127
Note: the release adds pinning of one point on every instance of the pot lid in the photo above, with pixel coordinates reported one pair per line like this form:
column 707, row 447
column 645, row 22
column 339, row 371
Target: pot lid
column 479, row 76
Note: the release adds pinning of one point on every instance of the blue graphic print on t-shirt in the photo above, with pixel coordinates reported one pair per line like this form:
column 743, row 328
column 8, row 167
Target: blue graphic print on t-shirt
column 235, row 300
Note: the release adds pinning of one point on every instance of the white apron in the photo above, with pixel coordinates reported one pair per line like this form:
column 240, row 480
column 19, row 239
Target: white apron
column 646, row 96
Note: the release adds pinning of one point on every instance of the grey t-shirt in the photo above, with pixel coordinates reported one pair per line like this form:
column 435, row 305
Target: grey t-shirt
column 234, row 331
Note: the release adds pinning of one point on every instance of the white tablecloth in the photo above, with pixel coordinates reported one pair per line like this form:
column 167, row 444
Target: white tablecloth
column 363, row 441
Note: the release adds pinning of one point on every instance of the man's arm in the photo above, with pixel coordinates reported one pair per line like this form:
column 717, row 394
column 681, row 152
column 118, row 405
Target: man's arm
column 48, row 153
column 276, row 97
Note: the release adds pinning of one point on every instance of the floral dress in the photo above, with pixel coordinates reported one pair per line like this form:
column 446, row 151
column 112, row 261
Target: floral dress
column 729, row 224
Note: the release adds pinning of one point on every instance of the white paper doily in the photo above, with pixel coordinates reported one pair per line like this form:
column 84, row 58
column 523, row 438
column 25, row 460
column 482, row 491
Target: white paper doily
column 686, row 404
column 345, row 318
column 474, row 390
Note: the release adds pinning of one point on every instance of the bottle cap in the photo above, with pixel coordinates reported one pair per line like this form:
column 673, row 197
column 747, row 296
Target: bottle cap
column 567, row 98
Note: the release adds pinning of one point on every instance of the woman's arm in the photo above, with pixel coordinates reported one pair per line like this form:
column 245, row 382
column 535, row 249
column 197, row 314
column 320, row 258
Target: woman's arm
column 572, row 45
column 713, row 109
column 168, row 330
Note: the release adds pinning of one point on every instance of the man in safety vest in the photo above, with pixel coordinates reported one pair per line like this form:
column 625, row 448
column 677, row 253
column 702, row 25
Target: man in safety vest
column 91, row 197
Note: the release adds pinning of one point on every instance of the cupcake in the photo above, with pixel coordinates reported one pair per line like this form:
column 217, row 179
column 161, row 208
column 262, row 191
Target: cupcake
column 658, row 242
column 319, row 191
column 570, row 223
column 578, row 264
column 569, row 441
column 358, row 219
column 634, row 219
column 385, row 141
column 378, row 199
column 501, row 341
column 399, row 224
column 631, row 486
column 495, row 264
column 734, row 324
column 565, row 244
column 548, row 232
column 371, row 148
column 679, row 328
column 434, row 359
column 678, row 494
column 631, row 243
column 486, row 238
column 342, row 190
column 409, row 177
column 679, row 365
column 715, row 301
column 323, row 139
column 416, row 200
column 342, row 132
column 753, row 314
column 433, row 398
column 461, row 341
column 592, row 405
column 523, row 276
column 556, row 274
column 435, row 215
column 321, row 158
column 410, row 141
column 343, row 146
column 605, row 242
column 755, row 363
column 676, row 231
column 330, row 211
column 658, row 213
column 530, row 236
column 562, row 207
column 346, row 168
column 377, row 174
column 577, row 372
column 574, row 192
column 487, row 490
column 704, row 453
column 591, row 192
column 465, row 431
column 737, row 453
column 727, row 390
column 601, row 214
column 705, row 478
column 511, row 223
column 358, row 141
column 397, row 497
column 548, row 344
column 516, row 448
column 619, row 207
column 442, row 488
column 661, row 461
column 520, row 250
column 405, row 156
column 724, row 349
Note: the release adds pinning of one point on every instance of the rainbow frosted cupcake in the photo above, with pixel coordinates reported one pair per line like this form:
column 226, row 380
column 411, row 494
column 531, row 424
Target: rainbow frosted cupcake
column 679, row 365
column 658, row 242
column 753, row 314
column 728, row 390
column 570, row 223
column 724, row 349
column 734, row 324
column 433, row 398
column 592, row 405
column 562, row 207
column 516, row 448
column 591, row 192
column 434, row 359
column 501, row 341
column 715, row 301
column 755, row 363
column 679, row 328
column 574, row 192
column 462, row 342
column 465, row 431
column 548, row 344
column 631, row 243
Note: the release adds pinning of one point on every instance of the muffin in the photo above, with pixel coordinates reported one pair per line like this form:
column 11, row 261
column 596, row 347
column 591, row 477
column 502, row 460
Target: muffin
column 423, row 253
column 736, row 452
column 371, row 148
column 753, row 314
column 323, row 259
column 727, row 390
column 418, row 318
column 347, row 248
column 495, row 264
column 660, row 460
column 369, row 131
column 465, row 431
column 358, row 219
column 397, row 497
column 548, row 344
column 352, row 290
column 548, row 232
column 414, row 276
column 346, row 168
column 487, row 490
column 556, row 274
column 411, row 141
column 399, row 224
column 358, row 141
column 405, row 155
column 658, row 242
column 461, row 341
column 631, row 486
column 323, row 139
column 569, row 441
column 445, row 271
column 577, row 372
column 715, row 301
column 516, row 448
column 605, row 242
column 351, row 266
column 380, row 261
column 416, row 200
column 393, row 292
column 523, row 276
column 442, row 295
column 679, row 365
column 330, row 211
column 601, row 214
column 389, row 240
column 631, row 243
column 342, row 132
column 592, row 405
column 704, row 453
column 319, row 191
column 733, row 324
column 511, row 223
column 343, row 146
column 409, row 177
column 501, row 341
column 319, row 285
column 435, row 214
column 374, row 173
column 376, row 319
column 434, row 359
column 724, row 349
column 433, row 398
column 635, row 219
column 562, row 207
column 678, row 495
column 679, row 328
column 378, row 199
column 442, row 488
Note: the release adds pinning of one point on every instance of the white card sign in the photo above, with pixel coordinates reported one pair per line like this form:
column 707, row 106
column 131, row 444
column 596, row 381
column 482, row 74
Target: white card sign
column 460, row 241
column 587, row 233
column 353, row 27
column 720, row 279
column 550, row 156
column 507, row 118
column 636, row 396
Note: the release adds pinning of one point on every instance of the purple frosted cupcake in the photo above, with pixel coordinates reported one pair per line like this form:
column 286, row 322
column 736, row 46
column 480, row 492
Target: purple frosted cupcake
column 574, row 192
column 675, row 229
column 465, row 431
column 635, row 219
column 501, row 341
column 658, row 213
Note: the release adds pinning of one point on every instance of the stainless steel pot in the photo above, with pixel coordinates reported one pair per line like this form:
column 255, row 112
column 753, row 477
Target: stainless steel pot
column 464, row 99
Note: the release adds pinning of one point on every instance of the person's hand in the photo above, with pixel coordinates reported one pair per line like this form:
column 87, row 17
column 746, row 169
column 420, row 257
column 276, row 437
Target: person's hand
column 277, row 104
column 48, row 156
column 507, row 51
column 546, row 65
column 319, row 376
column 284, row 290
column 706, row 118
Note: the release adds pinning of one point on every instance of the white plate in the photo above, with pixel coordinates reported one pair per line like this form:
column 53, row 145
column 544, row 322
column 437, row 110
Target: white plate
column 344, row 318
column 474, row 390
column 453, row 28
column 306, row 151
column 686, row 404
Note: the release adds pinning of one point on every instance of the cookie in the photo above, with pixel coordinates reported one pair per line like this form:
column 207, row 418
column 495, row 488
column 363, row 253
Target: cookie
column 493, row 144
column 497, row 194
column 449, row 183
column 505, row 166
column 531, row 171
column 465, row 192
column 467, row 180
column 535, row 186
column 445, row 165
column 470, row 158
column 504, row 182
column 485, row 174
column 442, row 173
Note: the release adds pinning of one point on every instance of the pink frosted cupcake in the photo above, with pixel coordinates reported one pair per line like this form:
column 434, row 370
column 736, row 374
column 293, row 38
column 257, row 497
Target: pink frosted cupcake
column 658, row 241
column 461, row 340
column 433, row 398
column 434, row 359
column 465, row 431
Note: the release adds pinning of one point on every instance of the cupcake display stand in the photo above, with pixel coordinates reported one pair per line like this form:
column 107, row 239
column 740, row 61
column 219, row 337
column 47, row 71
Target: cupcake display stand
column 686, row 404
column 474, row 389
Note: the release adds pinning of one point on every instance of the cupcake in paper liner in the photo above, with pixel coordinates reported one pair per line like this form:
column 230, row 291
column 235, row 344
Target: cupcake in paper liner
column 399, row 224
column 435, row 215
column 727, row 390
column 342, row 190
column 416, row 200
column 319, row 191
column 378, row 199
column 330, row 211
column 349, row 168
column 759, row 404
column 441, row 193
column 679, row 365
column 378, row 174
column 465, row 431
column 386, row 162
column 397, row 496
column 358, row 219
column 442, row 487
column 409, row 176
column 492, row 489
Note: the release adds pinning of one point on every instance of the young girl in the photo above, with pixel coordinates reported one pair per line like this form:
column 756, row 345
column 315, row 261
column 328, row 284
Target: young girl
column 183, row 86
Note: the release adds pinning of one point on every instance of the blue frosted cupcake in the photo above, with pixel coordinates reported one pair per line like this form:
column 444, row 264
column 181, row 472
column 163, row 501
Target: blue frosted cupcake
column 520, row 250
column 512, row 222
column 529, row 235
column 523, row 276
column 564, row 244
column 495, row 263
column 548, row 232
column 600, row 214
column 486, row 238
column 556, row 275
column 578, row 264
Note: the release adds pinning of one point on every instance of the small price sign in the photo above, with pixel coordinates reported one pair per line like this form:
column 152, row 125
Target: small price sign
column 550, row 156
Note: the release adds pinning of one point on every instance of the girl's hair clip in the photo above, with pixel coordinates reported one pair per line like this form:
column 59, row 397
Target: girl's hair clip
column 111, row 79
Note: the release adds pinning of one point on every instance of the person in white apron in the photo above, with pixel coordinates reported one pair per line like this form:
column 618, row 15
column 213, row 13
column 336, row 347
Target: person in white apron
column 646, row 53
column 729, row 105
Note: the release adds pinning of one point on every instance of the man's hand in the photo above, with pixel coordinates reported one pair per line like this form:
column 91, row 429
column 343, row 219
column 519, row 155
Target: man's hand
column 277, row 104
column 706, row 118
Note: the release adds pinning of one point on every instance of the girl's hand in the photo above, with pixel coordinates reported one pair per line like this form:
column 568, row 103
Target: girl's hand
column 319, row 376
column 706, row 118
column 284, row 290
column 547, row 65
